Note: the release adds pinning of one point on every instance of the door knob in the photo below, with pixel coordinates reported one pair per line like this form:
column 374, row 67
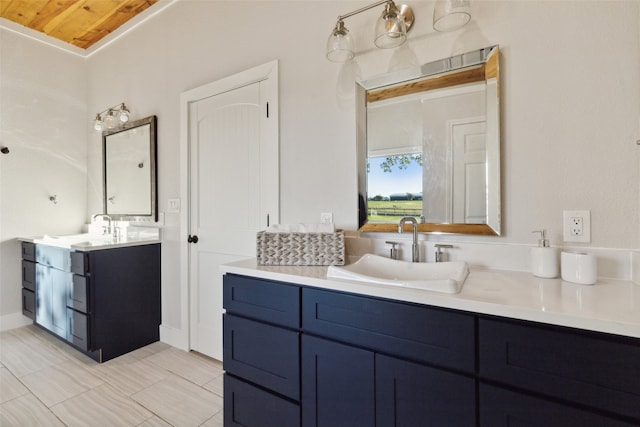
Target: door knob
column 192, row 239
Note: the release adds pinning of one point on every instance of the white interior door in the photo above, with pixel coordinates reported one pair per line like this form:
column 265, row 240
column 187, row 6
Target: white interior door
column 232, row 191
column 469, row 172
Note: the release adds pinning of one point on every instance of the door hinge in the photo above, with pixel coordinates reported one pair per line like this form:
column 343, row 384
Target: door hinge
column 267, row 110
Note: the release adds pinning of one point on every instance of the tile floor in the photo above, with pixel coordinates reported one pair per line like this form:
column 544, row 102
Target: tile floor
column 45, row 382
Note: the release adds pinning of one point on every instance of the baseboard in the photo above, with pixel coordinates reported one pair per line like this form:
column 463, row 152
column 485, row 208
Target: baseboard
column 174, row 337
column 13, row 320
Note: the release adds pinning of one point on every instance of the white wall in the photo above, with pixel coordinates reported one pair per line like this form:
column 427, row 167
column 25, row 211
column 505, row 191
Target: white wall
column 42, row 107
column 570, row 99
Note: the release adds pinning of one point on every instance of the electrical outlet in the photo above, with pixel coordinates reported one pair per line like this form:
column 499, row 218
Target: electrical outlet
column 326, row 218
column 577, row 226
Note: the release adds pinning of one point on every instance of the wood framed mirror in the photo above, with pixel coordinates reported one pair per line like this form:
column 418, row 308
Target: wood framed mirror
column 428, row 146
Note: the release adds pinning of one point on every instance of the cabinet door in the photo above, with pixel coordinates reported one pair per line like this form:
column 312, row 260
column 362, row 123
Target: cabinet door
column 249, row 406
column 28, row 303
column 77, row 293
column 77, row 331
column 264, row 354
column 260, row 299
column 588, row 369
column 51, row 299
column 337, row 384
column 504, row 408
column 408, row 394
column 29, row 251
column 29, row 275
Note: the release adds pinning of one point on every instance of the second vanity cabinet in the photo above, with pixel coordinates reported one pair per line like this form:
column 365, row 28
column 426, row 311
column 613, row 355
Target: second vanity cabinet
column 296, row 355
column 104, row 302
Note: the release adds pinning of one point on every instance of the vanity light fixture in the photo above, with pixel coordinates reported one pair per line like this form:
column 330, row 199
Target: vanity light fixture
column 450, row 15
column 390, row 31
column 111, row 118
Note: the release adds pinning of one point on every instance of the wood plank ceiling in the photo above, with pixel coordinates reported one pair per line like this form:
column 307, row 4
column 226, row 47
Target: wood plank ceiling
column 81, row 23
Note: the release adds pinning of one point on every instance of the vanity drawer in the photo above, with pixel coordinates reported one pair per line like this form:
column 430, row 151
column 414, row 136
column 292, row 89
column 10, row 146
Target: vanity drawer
column 595, row 371
column 505, row 408
column 80, row 263
column 77, row 293
column 266, row 355
column 53, row 256
column 29, row 303
column 249, row 406
column 29, row 251
column 260, row 299
column 440, row 337
column 77, row 330
column 29, row 275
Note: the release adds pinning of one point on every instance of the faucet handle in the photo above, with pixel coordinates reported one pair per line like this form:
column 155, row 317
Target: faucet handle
column 393, row 253
column 439, row 253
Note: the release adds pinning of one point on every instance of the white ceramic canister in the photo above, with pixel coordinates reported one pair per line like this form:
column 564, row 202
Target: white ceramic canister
column 581, row 268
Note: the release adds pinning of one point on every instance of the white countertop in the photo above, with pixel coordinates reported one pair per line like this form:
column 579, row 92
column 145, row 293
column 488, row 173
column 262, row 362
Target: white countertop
column 610, row 306
column 91, row 244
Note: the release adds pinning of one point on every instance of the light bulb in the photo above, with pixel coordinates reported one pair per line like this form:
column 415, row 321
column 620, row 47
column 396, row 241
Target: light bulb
column 391, row 30
column 98, row 126
column 124, row 114
column 110, row 120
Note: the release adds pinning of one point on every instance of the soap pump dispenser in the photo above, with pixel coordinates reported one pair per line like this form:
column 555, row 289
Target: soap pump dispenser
column 544, row 259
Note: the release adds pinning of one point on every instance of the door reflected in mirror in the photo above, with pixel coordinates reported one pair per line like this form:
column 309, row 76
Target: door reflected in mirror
column 429, row 146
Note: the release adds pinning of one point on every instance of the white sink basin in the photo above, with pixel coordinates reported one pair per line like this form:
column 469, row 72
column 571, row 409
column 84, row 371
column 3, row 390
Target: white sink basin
column 446, row 277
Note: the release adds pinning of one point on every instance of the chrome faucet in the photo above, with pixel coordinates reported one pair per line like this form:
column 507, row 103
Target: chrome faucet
column 415, row 250
column 109, row 229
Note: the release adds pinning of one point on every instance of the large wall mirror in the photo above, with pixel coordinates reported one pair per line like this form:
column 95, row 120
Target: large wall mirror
column 130, row 176
column 429, row 146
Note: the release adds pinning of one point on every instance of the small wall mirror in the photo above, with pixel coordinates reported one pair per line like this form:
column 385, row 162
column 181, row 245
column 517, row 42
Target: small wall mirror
column 429, row 146
column 130, row 177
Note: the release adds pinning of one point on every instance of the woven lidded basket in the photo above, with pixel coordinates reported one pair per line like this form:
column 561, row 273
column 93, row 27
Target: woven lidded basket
column 300, row 248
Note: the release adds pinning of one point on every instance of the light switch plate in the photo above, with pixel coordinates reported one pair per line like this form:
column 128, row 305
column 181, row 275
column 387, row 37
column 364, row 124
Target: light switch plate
column 173, row 206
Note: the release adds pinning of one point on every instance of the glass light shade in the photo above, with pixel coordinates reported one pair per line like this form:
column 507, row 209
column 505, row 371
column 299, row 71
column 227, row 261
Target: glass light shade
column 391, row 31
column 340, row 44
column 450, row 15
column 123, row 115
column 110, row 120
column 98, row 126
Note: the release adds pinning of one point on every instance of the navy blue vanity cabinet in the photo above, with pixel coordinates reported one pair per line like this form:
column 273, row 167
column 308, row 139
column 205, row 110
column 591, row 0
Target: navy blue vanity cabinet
column 104, row 302
column 29, row 280
column 261, row 352
column 113, row 300
column 385, row 363
column 554, row 376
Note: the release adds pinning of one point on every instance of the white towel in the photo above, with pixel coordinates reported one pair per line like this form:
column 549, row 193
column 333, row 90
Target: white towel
column 301, row 228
